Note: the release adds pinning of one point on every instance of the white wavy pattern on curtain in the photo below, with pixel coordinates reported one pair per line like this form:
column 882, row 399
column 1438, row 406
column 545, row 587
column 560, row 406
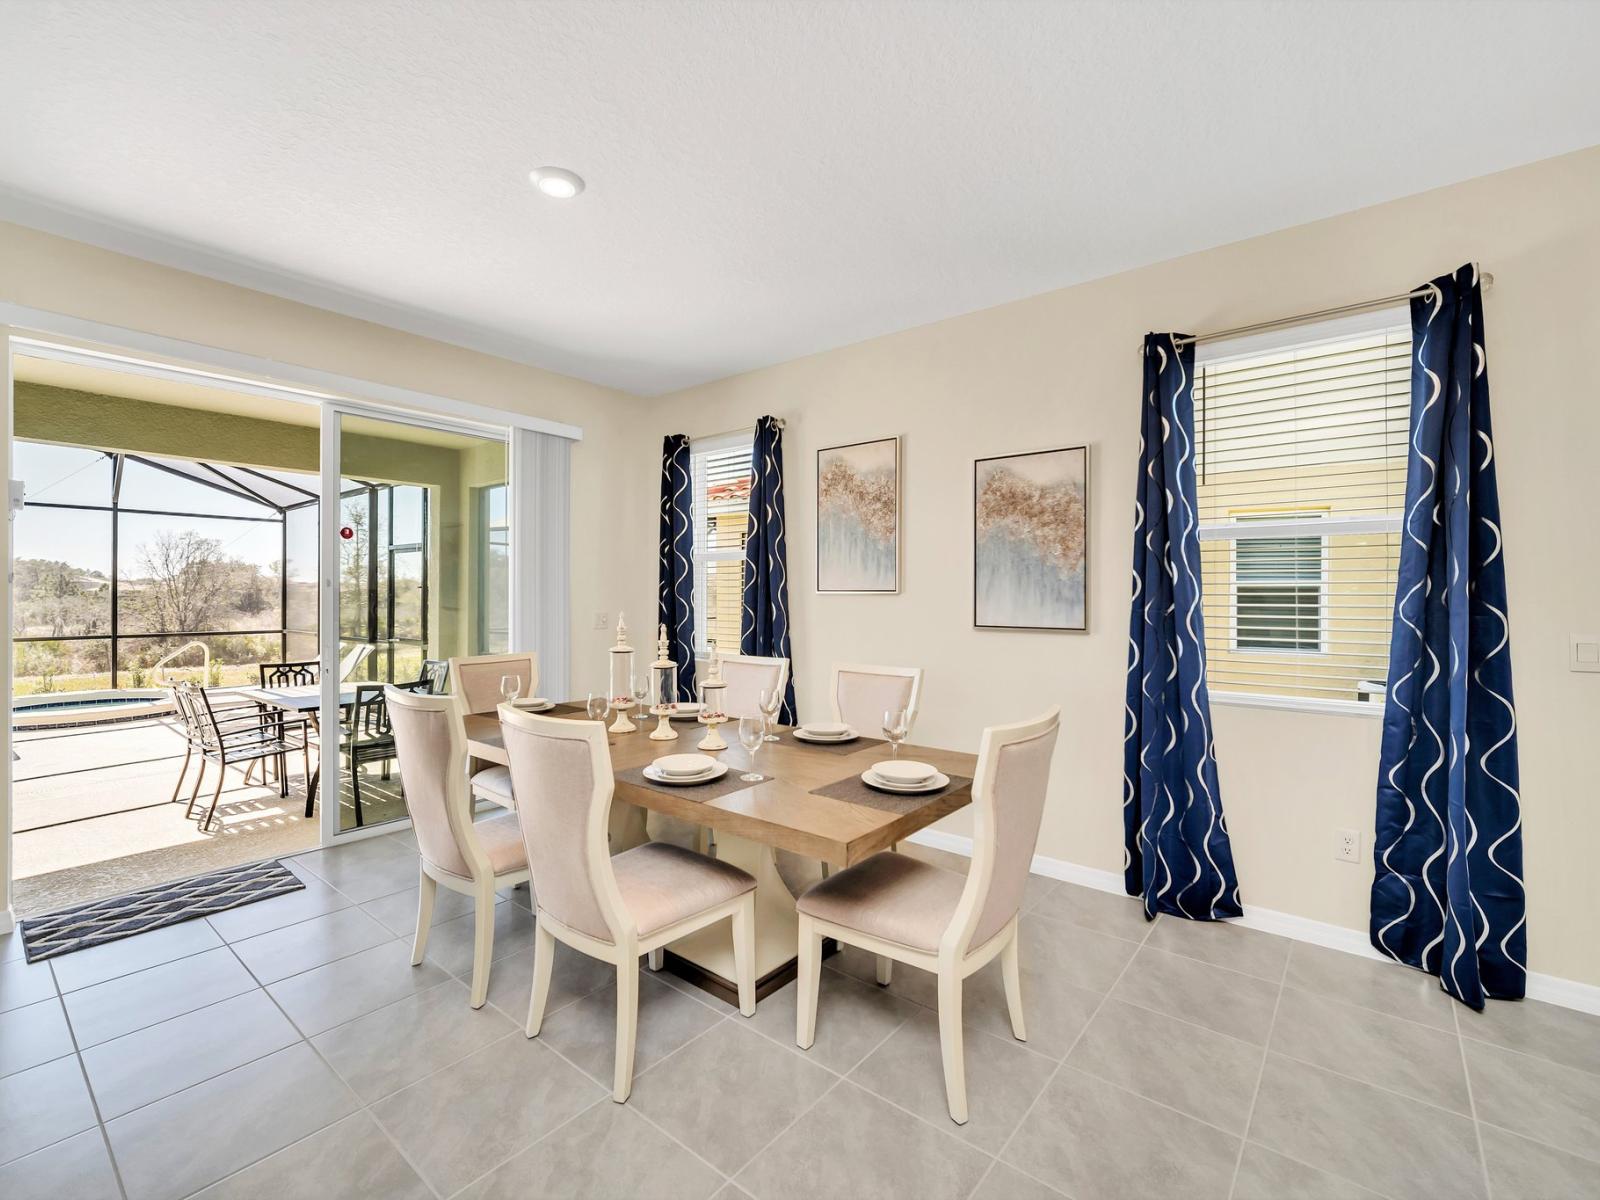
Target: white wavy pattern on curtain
column 1448, row 895
column 764, row 615
column 676, row 567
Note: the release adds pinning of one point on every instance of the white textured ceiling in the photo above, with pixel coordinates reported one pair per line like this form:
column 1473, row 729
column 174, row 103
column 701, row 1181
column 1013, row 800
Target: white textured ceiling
column 766, row 180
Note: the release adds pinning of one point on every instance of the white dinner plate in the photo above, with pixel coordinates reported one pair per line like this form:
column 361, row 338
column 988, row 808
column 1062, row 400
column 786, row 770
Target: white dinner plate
column 684, row 766
column 807, row 735
column 534, row 704
column 717, row 772
column 686, row 711
column 901, row 789
column 827, row 729
column 903, row 771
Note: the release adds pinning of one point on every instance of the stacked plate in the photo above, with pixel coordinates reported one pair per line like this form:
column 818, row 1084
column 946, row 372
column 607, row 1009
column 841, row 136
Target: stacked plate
column 825, row 731
column 533, row 704
column 904, row 777
column 686, row 711
column 685, row 769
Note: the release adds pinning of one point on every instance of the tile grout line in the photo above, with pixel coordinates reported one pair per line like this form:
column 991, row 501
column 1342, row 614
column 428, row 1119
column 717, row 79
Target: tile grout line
column 1261, row 1073
column 1472, row 1106
column 1028, row 1112
column 94, row 1101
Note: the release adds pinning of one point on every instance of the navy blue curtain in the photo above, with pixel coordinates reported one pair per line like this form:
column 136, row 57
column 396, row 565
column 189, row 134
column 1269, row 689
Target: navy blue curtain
column 764, row 621
column 676, row 572
column 1177, row 854
column 1447, row 893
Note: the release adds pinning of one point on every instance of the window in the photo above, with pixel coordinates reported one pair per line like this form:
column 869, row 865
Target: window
column 1301, row 471
column 494, row 566
column 721, row 516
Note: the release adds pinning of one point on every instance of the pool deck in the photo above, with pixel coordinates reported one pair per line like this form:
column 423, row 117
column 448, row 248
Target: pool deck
column 93, row 815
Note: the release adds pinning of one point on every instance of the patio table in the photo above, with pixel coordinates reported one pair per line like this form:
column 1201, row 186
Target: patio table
column 305, row 698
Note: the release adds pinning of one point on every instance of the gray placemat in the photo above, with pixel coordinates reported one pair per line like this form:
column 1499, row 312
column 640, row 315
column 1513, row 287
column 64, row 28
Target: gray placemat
column 851, row 788
column 700, row 791
column 787, row 737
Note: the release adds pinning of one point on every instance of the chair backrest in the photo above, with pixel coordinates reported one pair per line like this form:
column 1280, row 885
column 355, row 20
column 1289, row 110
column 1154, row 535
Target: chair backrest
column 187, row 699
column 475, row 681
column 289, row 674
column 435, row 675
column 432, row 749
column 561, row 776
column 747, row 676
column 861, row 695
column 353, row 658
column 1008, row 795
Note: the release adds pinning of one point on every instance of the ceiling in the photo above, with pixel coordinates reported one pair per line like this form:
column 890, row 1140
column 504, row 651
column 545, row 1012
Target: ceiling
column 765, row 180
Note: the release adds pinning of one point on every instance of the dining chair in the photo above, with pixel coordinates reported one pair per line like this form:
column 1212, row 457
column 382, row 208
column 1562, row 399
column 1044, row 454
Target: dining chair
column 298, row 673
column 747, row 676
column 475, row 683
column 613, row 908
column 475, row 858
column 909, row 911
column 862, row 694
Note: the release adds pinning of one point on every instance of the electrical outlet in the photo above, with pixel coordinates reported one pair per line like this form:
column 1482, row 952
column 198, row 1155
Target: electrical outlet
column 1347, row 845
column 602, row 620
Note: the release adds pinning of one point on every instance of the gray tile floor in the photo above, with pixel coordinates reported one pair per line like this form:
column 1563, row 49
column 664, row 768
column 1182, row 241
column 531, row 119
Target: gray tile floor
column 289, row 1049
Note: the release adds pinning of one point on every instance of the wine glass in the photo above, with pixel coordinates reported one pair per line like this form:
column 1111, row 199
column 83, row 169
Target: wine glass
column 895, row 728
column 641, row 693
column 752, row 732
column 510, row 688
column 770, row 702
column 598, row 703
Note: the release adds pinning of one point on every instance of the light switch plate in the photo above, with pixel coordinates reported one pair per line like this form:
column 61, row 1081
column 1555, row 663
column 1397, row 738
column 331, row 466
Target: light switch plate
column 1585, row 652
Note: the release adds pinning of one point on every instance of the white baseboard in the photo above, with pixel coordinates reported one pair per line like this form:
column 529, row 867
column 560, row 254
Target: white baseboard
column 1552, row 989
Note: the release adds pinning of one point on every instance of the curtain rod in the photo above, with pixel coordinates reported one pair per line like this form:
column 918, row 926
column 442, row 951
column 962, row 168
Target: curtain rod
column 1343, row 310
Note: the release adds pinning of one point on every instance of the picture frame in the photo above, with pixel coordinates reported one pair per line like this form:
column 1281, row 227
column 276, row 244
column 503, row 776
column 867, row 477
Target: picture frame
column 1030, row 540
column 859, row 531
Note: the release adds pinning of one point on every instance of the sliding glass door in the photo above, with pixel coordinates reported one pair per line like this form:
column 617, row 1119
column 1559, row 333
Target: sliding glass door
column 418, row 550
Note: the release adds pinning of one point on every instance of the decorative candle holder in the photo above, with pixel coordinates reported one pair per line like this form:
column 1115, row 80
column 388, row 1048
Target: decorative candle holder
column 713, row 704
column 664, row 676
column 621, row 679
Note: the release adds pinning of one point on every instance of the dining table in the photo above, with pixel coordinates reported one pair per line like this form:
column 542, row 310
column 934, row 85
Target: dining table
column 304, row 699
column 810, row 813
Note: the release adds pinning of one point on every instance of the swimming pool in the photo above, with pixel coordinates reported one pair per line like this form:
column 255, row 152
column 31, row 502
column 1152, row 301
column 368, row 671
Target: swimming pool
column 78, row 708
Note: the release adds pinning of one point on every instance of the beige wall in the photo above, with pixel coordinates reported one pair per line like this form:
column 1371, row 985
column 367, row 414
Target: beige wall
column 1063, row 369
column 58, row 275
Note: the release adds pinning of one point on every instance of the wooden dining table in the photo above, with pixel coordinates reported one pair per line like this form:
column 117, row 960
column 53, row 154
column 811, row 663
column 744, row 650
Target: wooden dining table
column 781, row 830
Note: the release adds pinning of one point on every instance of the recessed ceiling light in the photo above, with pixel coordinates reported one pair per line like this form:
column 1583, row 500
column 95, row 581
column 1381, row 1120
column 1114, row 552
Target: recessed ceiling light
column 556, row 182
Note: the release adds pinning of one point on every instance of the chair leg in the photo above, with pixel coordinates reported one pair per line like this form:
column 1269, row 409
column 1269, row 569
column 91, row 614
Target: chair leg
column 194, row 793
column 177, row 788
column 744, row 953
column 950, row 1047
column 657, row 958
column 544, row 954
column 311, row 780
column 355, row 786
column 627, row 1026
column 482, row 942
column 427, row 890
column 808, row 980
column 885, row 970
column 1011, row 972
column 283, row 776
column 222, row 777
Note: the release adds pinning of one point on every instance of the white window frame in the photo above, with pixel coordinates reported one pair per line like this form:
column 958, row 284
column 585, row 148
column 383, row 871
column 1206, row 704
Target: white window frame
column 1321, row 584
column 701, row 552
column 1249, row 346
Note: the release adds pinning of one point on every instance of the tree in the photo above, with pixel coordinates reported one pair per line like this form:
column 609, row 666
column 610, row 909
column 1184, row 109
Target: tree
column 188, row 579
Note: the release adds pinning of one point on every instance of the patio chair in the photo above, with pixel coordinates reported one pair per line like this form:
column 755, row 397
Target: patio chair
column 367, row 734
column 235, row 739
column 300, row 673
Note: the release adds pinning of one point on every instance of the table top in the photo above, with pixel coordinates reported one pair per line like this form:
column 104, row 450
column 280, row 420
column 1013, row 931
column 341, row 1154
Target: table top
column 296, row 697
column 781, row 811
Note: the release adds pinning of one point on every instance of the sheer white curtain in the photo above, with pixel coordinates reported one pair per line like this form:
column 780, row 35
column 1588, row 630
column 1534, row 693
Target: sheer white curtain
column 541, row 531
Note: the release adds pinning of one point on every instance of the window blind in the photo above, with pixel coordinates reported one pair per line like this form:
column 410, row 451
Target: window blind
column 1300, row 461
column 721, row 511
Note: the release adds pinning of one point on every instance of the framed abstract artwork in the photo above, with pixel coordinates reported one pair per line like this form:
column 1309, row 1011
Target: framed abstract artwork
column 858, row 517
column 1030, row 540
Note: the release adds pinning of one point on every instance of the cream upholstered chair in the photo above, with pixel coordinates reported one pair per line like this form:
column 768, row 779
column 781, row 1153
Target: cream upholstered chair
column 747, row 676
column 909, row 911
column 475, row 683
column 861, row 695
column 472, row 857
column 610, row 908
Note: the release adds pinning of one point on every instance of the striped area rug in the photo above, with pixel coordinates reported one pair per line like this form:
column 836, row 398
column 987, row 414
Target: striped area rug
column 103, row 921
